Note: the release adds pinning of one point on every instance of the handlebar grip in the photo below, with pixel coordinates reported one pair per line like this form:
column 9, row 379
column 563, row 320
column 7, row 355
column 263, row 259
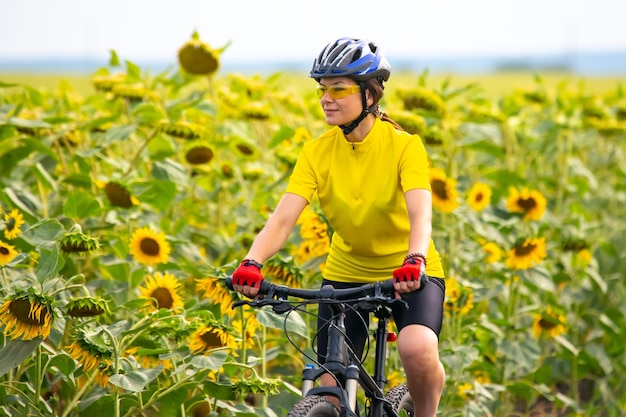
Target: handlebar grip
column 263, row 288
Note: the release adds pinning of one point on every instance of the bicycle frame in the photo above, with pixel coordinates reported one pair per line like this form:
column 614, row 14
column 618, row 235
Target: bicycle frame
column 341, row 361
column 354, row 371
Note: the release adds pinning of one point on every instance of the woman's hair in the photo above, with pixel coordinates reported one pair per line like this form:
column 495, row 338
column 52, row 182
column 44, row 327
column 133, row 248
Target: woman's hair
column 376, row 89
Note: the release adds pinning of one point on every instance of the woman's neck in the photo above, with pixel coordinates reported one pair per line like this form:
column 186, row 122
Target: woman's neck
column 360, row 132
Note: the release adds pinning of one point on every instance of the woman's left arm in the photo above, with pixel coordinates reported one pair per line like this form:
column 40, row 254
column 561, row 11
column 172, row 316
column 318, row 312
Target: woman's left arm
column 419, row 205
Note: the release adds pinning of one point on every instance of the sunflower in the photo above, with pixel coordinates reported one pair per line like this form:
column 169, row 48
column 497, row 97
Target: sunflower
column 479, row 196
column 253, row 172
column 526, row 254
column 214, row 289
column 310, row 249
column 182, row 129
column 312, row 226
column 7, row 253
column 459, row 299
column 465, row 390
column 444, row 191
column 493, row 252
column 149, row 360
column 163, row 290
column 244, row 386
column 87, row 307
column 549, row 322
column 27, row 316
column 529, row 202
column 198, row 58
column 422, row 98
column 13, row 221
column 210, row 337
column 583, row 258
column 283, row 271
column 118, row 195
column 149, row 247
column 75, row 241
column 199, row 153
column 106, row 82
column 93, row 349
column 580, row 251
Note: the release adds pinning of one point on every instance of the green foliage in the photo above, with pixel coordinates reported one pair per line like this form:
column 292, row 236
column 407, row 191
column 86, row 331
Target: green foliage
column 86, row 171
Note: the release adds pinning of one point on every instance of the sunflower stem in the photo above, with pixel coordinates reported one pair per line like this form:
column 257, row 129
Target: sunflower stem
column 79, row 394
column 264, row 362
column 133, row 163
column 38, row 377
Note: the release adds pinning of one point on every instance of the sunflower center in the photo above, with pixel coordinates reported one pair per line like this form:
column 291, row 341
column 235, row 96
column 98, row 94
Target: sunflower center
column 4, row 250
column 211, row 339
column 21, row 310
column 525, row 249
column 527, row 203
column 10, row 224
column 479, row 197
column 163, row 297
column 439, row 188
column 149, row 246
column 546, row 324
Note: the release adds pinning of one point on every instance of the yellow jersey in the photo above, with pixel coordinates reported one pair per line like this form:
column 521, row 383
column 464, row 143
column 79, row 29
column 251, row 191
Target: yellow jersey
column 361, row 186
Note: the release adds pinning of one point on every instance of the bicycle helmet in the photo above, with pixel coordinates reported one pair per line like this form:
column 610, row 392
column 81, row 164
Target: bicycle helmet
column 350, row 57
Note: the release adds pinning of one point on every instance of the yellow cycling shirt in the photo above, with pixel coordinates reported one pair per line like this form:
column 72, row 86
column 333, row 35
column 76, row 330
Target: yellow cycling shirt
column 361, row 188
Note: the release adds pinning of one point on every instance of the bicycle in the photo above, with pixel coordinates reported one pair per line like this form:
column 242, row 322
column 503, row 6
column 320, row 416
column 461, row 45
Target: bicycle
column 341, row 361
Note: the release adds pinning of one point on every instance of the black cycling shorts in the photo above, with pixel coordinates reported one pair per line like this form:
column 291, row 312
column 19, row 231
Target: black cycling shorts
column 425, row 308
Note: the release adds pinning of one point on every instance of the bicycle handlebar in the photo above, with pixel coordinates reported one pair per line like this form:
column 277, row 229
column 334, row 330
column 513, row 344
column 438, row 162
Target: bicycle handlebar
column 328, row 292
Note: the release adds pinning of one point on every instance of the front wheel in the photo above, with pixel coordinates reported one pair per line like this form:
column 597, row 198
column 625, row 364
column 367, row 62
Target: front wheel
column 313, row 406
column 400, row 399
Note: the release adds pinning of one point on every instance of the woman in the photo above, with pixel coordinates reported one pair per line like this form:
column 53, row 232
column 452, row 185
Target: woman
column 372, row 182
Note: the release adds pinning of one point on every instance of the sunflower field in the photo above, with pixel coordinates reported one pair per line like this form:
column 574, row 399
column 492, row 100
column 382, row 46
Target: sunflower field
column 123, row 211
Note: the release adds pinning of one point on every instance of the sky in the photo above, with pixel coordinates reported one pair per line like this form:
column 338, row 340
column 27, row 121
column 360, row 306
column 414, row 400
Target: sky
column 287, row 30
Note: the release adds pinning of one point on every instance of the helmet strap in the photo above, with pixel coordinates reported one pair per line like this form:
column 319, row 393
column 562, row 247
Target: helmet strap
column 347, row 129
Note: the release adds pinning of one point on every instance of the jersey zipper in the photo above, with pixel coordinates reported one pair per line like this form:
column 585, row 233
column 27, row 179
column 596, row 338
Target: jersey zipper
column 356, row 173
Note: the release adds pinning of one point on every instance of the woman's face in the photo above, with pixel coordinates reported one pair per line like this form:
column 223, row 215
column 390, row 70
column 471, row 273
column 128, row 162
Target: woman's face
column 346, row 106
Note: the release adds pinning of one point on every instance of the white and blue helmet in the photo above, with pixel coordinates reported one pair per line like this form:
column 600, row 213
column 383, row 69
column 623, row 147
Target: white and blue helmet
column 350, row 57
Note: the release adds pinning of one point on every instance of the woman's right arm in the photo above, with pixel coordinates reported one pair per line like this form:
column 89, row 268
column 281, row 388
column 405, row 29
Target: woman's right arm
column 278, row 227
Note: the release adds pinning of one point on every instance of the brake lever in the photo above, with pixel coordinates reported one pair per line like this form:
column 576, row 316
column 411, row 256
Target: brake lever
column 279, row 306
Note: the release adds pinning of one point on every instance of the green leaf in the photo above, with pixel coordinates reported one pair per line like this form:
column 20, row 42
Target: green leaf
column 114, row 59
column 27, row 123
column 136, row 381
column 81, row 205
column 285, row 132
column 212, row 362
column 15, row 352
column 116, row 134
column 567, row 345
column 219, row 391
column 158, row 194
column 295, row 323
column 44, row 231
column 9, row 159
column 44, row 177
column 63, row 363
column 148, row 113
column 170, row 404
column 50, row 261
column 133, row 70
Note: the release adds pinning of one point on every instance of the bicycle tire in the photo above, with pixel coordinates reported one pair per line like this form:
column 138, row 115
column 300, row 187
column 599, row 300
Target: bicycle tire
column 400, row 399
column 313, row 406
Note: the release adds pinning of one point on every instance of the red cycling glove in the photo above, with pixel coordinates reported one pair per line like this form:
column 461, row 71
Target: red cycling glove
column 411, row 270
column 248, row 273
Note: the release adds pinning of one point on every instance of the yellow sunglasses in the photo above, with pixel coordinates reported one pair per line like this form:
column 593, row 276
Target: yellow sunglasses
column 337, row 91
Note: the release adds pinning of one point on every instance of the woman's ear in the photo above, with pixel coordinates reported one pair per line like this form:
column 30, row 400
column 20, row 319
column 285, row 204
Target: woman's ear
column 368, row 98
